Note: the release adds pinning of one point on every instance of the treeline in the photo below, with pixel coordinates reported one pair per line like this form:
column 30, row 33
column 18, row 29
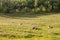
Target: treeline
column 10, row 6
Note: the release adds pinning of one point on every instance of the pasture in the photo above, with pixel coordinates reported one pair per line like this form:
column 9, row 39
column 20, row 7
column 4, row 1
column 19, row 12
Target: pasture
column 19, row 27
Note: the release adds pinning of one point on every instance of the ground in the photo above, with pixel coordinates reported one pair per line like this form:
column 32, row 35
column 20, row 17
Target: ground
column 20, row 28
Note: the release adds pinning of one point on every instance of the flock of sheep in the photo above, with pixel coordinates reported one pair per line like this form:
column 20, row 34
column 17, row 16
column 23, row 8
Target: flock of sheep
column 37, row 28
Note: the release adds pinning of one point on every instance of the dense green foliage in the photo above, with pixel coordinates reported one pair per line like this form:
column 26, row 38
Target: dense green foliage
column 9, row 6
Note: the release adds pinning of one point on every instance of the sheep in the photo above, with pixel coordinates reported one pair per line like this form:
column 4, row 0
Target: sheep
column 50, row 26
column 36, row 28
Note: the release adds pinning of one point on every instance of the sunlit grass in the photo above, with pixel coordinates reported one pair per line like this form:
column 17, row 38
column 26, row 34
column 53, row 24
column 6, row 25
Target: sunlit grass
column 20, row 28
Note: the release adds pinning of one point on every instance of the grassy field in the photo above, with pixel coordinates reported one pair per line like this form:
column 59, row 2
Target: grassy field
column 20, row 28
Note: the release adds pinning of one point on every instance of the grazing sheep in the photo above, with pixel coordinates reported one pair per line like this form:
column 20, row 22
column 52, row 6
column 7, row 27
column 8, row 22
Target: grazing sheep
column 50, row 26
column 36, row 28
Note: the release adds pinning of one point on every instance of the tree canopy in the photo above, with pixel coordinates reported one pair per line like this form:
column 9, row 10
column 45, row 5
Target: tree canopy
column 43, row 5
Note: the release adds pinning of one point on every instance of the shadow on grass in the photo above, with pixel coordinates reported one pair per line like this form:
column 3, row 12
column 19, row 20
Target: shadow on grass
column 9, row 35
column 28, row 15
column 16, row 36
column 56, row 33
column 29, row 35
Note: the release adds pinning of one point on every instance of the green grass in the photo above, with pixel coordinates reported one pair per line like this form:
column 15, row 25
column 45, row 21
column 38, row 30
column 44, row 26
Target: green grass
column 20, row 28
